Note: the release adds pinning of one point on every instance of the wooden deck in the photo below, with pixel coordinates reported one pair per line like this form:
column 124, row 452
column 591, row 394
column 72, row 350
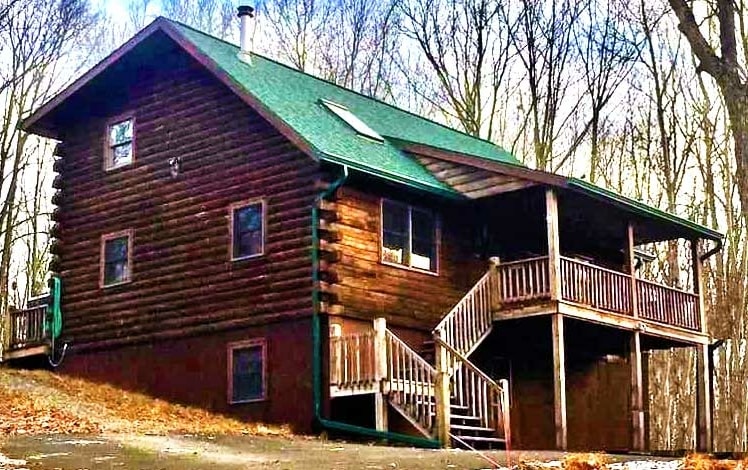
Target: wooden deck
column 594, row 293
column 27, row 333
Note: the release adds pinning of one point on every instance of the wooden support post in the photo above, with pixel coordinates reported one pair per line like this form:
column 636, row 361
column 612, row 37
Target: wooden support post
column 380, row 374
column 698, row 283
column 631, row 260
column 442, row 392
column 559, row 380
column 554, row 249
column 645, row 395
column 703, row 400
column 637, row 392
column 495, row 288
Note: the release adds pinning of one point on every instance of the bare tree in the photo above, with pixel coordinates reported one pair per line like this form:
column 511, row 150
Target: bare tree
column 727, row 71
column 466, row 44
column 35, row 48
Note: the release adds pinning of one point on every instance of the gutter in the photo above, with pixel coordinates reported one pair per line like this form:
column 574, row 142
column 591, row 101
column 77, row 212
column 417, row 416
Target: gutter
column 320, row 421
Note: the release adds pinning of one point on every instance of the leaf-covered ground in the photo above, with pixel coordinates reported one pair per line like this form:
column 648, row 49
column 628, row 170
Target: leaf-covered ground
column 42, row 402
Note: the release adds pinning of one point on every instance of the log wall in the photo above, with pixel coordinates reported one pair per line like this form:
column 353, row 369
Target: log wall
column 183, row 281
column 407, row 298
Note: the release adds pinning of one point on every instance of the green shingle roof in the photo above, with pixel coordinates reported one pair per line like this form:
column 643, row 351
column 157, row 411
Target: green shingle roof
column 295, row 98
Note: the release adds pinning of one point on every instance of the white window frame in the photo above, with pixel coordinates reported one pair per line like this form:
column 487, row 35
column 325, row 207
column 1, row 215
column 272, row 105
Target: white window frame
column 109, row 150
column 437, row 236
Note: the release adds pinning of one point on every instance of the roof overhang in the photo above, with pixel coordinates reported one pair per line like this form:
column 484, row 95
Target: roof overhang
column 672, row 225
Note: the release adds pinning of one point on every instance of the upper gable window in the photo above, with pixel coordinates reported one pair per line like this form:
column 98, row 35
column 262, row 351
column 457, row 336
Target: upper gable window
column 119, row 150
column 409, row 236
column 352, row 120
column 247, row 229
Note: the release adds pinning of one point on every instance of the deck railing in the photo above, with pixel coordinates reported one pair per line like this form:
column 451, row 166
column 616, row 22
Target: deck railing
column 520, row 281
column 668, row 305
column 477, row 393
column 27, row 327
column 352, row 361
column 598, row 287
column 601, row 288
column 411, row 382
column 471, row 318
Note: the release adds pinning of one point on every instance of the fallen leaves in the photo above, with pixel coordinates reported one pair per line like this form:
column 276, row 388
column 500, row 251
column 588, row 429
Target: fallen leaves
column 41, row 402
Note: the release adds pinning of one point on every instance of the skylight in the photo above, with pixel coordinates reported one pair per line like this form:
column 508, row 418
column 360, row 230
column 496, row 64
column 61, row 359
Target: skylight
column 357, row 124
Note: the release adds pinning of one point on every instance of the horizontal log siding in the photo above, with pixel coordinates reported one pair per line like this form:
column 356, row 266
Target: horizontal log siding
column 183, row 281
column 368, row 289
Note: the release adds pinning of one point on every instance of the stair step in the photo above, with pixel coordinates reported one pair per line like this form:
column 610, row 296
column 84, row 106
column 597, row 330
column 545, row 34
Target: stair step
column 465, row 417
column 464, row 427
column 496, row 440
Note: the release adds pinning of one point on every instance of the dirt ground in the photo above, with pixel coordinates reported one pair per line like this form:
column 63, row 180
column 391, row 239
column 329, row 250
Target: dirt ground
column 133, row 451
column 49, row 421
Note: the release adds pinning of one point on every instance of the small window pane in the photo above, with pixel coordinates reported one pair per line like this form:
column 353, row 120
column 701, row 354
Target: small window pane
column 248, row 231
column 122, row 154
column 116, row 257
column 247, row 371
column 120, row 133
column 395, row 233
column 408, row 236
column 424, row 235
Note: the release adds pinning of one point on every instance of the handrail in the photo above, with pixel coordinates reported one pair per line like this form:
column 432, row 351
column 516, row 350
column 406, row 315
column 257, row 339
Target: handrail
column 466, row 361
column 669, row 306
column 470, row 319
column 352, row 361
column 594, row 266
column 411, row 382
column 589, row 284
column 473, row 389
column 524, row 280
column 663, row 286
column 524, row 260
column 27, row 327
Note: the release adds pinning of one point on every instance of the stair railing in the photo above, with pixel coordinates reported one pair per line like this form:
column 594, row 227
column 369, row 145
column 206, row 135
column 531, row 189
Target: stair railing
column 411, row 383
column 476, row 393
column 470, row 320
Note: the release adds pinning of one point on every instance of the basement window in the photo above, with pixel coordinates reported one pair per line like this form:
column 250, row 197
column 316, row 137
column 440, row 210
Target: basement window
column 247, row 371
column 116, row 258
column 409, row 236
column 120, row 143
column 352, row 120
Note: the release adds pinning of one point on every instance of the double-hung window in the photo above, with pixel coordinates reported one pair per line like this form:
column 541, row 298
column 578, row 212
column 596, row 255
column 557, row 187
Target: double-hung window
column 247, row 229
column 409, row 236
column 247, row 370
column 116, row 258
column 120, row 142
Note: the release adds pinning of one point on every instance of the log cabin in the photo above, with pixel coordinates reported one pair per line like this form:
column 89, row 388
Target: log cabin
column 235, row 234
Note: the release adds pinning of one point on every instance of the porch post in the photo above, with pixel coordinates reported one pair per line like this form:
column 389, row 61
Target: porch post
column 380, row 374
column 698, row 283
column 554, row 248
column 703, row 400
column 637, row 395
column 441, row 392
column 559, row 380
column 631, row 260
column 635, row 351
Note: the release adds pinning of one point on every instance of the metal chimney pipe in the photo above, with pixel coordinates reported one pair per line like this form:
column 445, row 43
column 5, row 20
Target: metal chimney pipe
column 245, row 14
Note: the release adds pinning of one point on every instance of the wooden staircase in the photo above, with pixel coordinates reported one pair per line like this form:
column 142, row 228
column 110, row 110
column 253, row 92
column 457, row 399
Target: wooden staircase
column 437, row 389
